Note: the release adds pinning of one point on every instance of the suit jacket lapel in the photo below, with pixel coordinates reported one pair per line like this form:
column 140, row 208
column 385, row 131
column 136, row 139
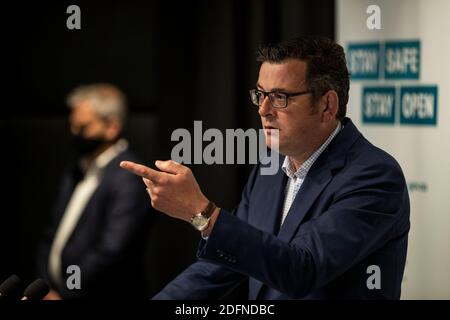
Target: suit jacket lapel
column 271, row 201
column 311, row 188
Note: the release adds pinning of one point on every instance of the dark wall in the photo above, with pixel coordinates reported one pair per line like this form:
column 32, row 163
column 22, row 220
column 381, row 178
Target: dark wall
column 177, row 61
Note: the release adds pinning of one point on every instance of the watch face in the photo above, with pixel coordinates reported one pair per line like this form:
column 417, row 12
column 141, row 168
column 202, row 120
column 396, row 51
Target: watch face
column 200, row 222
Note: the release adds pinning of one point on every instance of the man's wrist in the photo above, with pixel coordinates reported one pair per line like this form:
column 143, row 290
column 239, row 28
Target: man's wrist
column 201, row 205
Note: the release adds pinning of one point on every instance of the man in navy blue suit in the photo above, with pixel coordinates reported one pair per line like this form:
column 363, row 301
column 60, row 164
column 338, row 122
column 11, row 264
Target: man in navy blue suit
column 100, row 217
column 332, row 223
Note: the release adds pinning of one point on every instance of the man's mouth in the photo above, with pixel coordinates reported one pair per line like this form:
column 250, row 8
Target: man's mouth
column 268, row 129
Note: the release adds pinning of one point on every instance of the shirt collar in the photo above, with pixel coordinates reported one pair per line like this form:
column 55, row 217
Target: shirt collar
column 304, row 168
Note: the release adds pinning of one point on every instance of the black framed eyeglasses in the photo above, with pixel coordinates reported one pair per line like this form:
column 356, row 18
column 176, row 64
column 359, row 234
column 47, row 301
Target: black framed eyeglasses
column 278, row 99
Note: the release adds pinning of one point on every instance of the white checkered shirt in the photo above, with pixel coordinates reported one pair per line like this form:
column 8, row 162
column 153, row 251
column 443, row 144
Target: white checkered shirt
column 296, row 179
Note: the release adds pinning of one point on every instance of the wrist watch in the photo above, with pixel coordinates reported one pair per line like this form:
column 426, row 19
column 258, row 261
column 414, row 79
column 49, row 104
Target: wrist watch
column 200, row 221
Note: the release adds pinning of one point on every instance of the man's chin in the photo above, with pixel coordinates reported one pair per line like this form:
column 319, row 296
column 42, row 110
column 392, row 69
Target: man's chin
column 276, row 147
column 272, row 139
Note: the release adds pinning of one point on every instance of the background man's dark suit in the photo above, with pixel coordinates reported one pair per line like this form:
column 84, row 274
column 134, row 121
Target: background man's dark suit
column 109, row 239
column 351, row 212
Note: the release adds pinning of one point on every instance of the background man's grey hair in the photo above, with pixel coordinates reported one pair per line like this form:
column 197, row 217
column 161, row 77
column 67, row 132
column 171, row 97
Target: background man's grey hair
column 107, row 100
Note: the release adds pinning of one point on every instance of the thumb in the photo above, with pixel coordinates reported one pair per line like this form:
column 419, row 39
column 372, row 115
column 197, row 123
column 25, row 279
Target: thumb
column 169, row 166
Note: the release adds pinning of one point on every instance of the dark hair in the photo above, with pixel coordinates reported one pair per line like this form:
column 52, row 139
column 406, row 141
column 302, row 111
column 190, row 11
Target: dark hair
column 325, row 60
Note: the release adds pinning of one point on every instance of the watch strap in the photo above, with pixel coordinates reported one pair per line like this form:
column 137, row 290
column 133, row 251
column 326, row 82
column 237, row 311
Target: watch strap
column 209, row 210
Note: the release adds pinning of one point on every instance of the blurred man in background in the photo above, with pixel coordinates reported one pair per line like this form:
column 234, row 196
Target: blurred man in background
column 100, row 216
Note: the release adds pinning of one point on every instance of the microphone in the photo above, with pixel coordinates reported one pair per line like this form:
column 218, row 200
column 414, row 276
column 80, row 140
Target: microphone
column 11, row 288
column 37, row 290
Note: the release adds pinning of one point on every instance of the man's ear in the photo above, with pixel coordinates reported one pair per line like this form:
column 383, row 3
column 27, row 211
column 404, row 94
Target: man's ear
column 330, row 106
column 113, row 129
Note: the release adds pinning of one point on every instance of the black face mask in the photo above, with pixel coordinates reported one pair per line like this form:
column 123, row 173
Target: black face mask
column 85, row 146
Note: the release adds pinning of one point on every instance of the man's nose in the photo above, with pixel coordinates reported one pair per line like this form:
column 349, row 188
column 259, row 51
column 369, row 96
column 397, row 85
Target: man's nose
column 265, row 109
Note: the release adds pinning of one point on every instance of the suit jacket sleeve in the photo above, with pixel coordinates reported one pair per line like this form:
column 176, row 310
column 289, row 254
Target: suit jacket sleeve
column 360, row 219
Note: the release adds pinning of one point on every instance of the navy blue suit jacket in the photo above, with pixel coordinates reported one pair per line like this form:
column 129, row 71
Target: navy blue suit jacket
column 109, row 240
column 352, row 212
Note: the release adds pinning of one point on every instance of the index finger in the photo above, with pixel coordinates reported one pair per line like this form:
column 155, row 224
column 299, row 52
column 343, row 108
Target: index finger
column 141, row 170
